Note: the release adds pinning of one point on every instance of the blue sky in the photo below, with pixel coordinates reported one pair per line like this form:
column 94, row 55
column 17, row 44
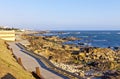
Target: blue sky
column 61, row 14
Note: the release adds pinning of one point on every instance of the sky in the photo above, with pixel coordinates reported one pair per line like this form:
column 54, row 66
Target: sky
column 61, row 14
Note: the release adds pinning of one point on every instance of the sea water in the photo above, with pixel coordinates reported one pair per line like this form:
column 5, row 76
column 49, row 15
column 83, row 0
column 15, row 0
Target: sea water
column 94, row 38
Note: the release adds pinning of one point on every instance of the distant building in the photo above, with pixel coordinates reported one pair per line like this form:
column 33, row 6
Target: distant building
column 8, row 35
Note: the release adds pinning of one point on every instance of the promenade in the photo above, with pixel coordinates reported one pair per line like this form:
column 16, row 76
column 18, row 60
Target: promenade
column 30, row 63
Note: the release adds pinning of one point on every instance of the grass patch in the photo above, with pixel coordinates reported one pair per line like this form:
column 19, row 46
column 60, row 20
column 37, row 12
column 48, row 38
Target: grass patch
column 9, row 65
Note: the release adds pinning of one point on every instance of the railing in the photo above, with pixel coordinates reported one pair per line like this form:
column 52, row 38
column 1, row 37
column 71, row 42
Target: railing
column 49, row 64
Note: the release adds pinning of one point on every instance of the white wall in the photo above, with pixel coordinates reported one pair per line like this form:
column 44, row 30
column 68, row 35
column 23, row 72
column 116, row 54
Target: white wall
column 7, row 35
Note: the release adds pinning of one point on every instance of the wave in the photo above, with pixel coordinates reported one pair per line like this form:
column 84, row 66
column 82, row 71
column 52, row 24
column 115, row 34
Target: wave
column 88, row 36
column 77, row 33
column 98, row 32
column 105, row 33
column 95, row 36
column 99, row 40
column 49, row 34
column 84, row 36
column 118, row 33
column 66, row 33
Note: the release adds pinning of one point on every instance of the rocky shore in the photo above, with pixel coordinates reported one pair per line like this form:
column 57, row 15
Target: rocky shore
column 88, row 62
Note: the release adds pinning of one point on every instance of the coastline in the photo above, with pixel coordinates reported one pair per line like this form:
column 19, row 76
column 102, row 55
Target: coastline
column 49, row 49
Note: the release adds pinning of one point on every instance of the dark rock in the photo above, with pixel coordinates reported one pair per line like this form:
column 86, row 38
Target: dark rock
column 75, row 52
column 92, row 64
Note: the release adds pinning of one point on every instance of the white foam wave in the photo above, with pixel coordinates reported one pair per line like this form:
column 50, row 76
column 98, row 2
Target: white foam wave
column 95, row 36
column 105, row 33
column 84, row 36
column 77, row 32
column 66, row 33
column 99, row 40
column 118, row 33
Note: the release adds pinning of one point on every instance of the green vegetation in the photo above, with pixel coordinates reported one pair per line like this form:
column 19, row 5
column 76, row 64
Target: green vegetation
column 16, row 29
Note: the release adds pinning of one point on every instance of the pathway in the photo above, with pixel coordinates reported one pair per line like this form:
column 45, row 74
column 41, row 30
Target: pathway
column 30, row 63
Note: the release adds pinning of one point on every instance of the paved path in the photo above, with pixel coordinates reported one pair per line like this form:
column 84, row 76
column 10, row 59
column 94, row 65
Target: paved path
column 30, row 63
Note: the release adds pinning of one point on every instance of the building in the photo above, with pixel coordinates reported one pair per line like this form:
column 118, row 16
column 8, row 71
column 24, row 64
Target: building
column 8, row 35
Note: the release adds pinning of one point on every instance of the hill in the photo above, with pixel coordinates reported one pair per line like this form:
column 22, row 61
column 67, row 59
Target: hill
column 9, row 68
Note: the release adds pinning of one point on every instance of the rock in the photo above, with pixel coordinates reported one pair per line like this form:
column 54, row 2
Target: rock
column 82, row 55
column 82, row 74
column 84, row 58
column 71, row 38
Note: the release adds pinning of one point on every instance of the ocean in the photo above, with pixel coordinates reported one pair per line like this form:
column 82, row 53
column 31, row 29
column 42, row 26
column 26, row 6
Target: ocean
column 93, row 38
